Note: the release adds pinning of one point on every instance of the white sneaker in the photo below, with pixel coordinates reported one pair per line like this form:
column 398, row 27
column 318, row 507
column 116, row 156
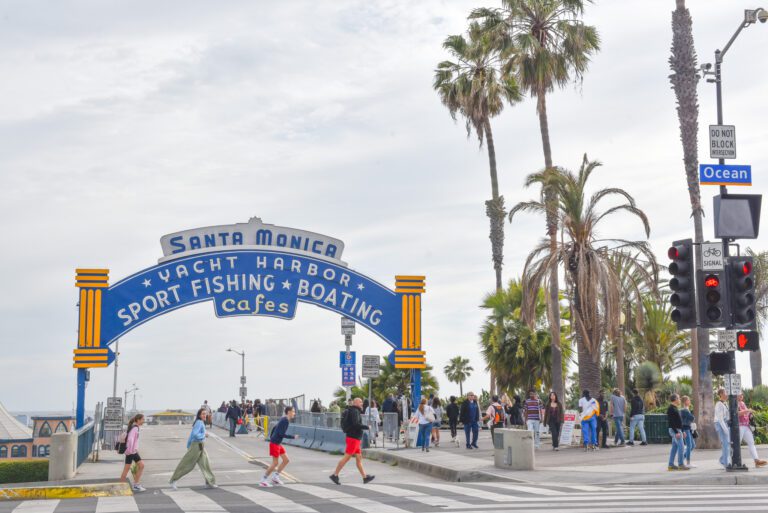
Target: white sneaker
column 211, row 486
column 173, row 485
column 276, row 480
column 265, row 484
column 139, row 488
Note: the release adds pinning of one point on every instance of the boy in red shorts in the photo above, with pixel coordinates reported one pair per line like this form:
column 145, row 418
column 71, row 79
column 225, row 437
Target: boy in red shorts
column 277, row 451
column 352, row 424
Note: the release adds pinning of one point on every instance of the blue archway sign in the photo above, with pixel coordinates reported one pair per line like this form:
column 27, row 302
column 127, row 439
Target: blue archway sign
column 242, row 278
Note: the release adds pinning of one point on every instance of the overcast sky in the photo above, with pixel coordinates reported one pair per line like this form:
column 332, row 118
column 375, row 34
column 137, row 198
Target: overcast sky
column 124, row 121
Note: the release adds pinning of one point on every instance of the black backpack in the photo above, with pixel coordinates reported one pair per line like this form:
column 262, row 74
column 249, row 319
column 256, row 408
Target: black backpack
column 346, row 421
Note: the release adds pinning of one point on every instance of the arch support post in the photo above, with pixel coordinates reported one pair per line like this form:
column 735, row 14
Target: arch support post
column 410, row 355
column 89, row 351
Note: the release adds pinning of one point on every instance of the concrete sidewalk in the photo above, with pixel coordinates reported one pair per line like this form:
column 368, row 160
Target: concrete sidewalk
column 615, row 465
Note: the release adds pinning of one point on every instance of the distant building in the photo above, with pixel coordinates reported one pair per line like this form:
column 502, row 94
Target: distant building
column 18, row 441
column 171, row 417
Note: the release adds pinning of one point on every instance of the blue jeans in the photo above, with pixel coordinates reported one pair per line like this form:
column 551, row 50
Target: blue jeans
column 690, row 443
column 424, row 435
column 535, row 426
column 677, row 448
column 619, row 423
column 474, row 428
column 589, row 431
column 725, row 442
column 639, row 421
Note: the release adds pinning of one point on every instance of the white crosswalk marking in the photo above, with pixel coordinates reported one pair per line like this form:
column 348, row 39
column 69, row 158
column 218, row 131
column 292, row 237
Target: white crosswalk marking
column 191, row 501
column 345, row 499
column 465, row 490
column 526, row 489
column 117, row 505
column 42, row 506
column 268, row 500
column 429, row 500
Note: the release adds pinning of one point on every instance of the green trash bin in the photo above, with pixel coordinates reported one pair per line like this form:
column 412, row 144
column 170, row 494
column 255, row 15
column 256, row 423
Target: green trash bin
column 656, row 428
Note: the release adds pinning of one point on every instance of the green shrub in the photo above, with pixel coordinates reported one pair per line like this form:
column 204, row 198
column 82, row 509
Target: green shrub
column 23, row 471
column 759, row 394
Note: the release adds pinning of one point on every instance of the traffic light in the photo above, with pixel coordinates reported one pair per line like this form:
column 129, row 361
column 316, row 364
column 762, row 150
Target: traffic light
column 713, row 307
column 747, row 341
column 741, row 283
column 683, row 294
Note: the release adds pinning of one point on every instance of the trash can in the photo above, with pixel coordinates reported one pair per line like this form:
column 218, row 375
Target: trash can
column 513, row 449
column 656, row 428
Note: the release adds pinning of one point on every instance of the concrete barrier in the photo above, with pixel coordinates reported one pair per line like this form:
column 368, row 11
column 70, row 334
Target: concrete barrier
column 62, row 463
column 513, row 449
column 306, row 436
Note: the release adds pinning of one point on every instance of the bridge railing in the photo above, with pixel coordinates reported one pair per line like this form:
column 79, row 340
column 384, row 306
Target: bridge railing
column 86, row 438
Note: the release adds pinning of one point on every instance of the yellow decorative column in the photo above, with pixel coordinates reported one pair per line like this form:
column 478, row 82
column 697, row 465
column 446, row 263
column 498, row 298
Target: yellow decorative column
column 89, row 352
column 410, row 355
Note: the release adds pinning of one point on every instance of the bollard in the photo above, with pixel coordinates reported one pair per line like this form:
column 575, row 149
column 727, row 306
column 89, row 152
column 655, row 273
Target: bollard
column 63, row 456
column 513, row 449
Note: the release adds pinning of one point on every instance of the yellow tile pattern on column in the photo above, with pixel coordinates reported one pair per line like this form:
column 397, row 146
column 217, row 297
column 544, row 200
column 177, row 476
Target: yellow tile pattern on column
column 90, row 282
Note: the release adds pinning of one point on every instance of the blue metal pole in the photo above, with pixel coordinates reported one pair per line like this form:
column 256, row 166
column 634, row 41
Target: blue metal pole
column 80, row 415
column 416, row 388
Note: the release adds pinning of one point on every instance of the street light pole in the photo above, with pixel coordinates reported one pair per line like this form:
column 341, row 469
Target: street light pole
column 750, row 17
column 242, row 375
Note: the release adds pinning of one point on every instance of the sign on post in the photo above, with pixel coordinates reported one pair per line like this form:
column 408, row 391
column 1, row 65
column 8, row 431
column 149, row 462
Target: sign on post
column 243, row 391
column 722, row 141
column 347, row 326
column 566, row 433
column 371, row 366
column 347, row 362
column 114, row 402
column 712, row 256
column 113, row 416
column 725, row 174
column 726, row 340
column 732, row 384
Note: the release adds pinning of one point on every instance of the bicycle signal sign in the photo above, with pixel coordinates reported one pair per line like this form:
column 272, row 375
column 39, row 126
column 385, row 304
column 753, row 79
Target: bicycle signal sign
column 712, row 256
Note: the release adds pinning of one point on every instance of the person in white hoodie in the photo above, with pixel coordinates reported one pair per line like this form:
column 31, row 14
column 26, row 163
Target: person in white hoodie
column 721, row 426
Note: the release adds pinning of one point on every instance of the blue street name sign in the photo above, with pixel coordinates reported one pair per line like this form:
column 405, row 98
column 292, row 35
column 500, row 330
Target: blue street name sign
column 725, row 174
column 343, row 360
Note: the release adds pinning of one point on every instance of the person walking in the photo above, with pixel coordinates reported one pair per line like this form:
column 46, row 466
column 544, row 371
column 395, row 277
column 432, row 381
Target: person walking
column 208, row 413
column 233, row 415
column 132, row 453
column 554, row 414
column 517, row 412
column 425, row 417
column 721, row 426
column 533, row 416
column 316, row 407
column 196, row 454
column 495, row 415
column 277, row 451
column 675, row 423
column 637, row 418
column 618, row 410
column 601, row 422
column 589, row 413
column 469, row 414
column 745, row 430
column 689, row 428
column 353, row 427
column 452, row 412
column 437, row 408
column 372, row 418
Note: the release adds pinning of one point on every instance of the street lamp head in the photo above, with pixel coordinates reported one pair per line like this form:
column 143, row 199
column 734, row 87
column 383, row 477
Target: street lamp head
column 762, row 15
column 753, row 15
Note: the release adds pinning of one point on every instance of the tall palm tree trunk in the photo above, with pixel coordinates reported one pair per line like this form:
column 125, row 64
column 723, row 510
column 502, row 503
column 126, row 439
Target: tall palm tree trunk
column 461, row 389
column 494, row 208
column 553, row 294
column 684, row 79
column 620, row 379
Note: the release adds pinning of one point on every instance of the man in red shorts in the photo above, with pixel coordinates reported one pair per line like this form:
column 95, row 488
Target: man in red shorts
column 277, row 451
column 352, row 425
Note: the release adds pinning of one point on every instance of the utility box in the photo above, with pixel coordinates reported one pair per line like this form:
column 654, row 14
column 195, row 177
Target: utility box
column 513, row 449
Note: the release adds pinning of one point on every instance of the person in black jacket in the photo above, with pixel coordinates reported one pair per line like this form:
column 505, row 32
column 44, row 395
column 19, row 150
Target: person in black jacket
column 353, row 427
column 233, row 414
column 452, row 411
column 469, row 415
column 675, row 422
column 636, row 418
column 277, row 451
column 602, row 421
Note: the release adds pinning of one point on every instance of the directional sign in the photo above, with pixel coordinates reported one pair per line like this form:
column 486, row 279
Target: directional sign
column 722, row 141
column 732, row 384
column 726, row 340
column 114, row 402
column 725, row 174
column 371, row 365
column 712, row 256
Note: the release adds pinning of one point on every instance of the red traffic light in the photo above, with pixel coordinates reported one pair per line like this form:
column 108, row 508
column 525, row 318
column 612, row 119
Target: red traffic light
column 747, row 341
column 711, row 281
column 677, row 252
column 746, row 269
column 742, row 340
column 673, row 253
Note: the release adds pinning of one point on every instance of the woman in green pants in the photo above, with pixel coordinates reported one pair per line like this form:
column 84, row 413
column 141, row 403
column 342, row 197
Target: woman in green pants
column 196, row 454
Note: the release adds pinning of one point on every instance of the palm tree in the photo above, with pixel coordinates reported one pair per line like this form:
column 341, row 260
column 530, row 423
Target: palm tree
column 472, row 85
column 457, row 371
column 659, row 341
column 760, row 272
column 592, row 282
column 544, row 45
column 648, row 379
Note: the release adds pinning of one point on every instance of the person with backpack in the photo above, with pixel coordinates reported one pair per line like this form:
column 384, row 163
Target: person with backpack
column 495, row 415
column 469, row 414
column 353, row 426
column 129, row 445
column 277, row 451
column 438, row 410
column 745, row 430
column 196, row 454
column 553, row 417
column 452, row 412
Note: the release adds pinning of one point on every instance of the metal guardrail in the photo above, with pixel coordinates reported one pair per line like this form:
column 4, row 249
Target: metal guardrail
column 86, row 437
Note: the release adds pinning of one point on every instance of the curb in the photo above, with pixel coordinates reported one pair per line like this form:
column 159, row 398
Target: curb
column 728, row 479
column 65, row 491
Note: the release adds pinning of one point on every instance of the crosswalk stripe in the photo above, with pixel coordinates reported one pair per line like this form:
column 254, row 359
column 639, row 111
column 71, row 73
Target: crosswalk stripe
column 191, row 501
column 345, row 499
column 267, row 500
column 439, row 502
column 685, row 507
column 41, row 506
column 465, row 490
column 117, row 505
column 524, row 489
